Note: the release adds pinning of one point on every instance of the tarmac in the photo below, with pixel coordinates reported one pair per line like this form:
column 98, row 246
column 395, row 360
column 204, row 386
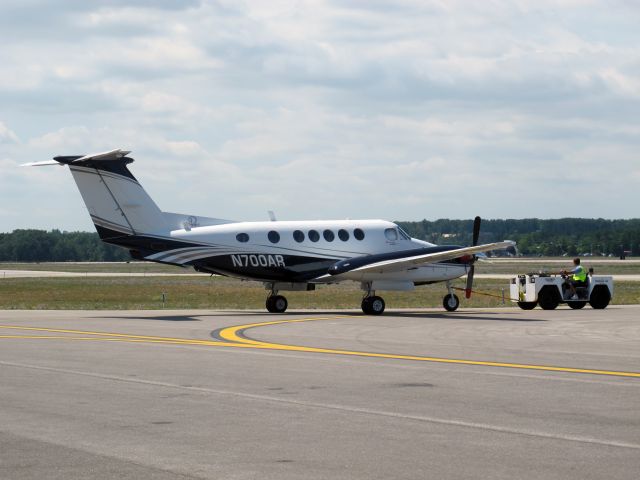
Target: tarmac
column 412, row 394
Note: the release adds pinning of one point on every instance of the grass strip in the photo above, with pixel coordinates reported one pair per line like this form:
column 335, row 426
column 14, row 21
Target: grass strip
column 131, row 293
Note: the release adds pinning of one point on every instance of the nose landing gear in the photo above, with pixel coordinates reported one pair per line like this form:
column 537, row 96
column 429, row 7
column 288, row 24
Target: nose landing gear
column 450, row 302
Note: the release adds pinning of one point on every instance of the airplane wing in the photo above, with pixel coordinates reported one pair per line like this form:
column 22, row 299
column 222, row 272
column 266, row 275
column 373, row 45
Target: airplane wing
column 396, row 264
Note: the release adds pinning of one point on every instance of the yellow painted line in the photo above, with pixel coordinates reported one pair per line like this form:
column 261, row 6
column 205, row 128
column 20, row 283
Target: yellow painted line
column 46, row 337
column 108, row 336
column 234, row 338
column 231, row 333
column 234, row 334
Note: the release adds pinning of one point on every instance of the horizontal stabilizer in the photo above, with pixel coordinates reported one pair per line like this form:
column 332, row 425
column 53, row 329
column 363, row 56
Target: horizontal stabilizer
column 110, row 155
column 41, row 164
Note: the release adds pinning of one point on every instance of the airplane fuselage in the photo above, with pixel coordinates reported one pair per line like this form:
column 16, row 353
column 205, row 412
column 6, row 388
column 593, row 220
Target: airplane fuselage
column 297, row 251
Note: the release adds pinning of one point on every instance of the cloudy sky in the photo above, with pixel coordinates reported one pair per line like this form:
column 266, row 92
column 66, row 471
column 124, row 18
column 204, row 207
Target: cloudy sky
column 400, row 110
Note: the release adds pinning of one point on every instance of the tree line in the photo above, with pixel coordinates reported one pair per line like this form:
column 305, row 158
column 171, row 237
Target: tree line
column 570, row 236
column 57, row 246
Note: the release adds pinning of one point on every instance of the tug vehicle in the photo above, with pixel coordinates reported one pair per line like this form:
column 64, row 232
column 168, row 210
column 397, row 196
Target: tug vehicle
column 549, row 290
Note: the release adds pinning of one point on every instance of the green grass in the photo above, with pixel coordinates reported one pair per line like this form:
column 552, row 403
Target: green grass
column 116, row 293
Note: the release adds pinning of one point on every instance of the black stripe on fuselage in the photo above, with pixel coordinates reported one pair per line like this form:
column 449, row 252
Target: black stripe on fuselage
column 257, row 265
column 265, row 267
column 349, row 264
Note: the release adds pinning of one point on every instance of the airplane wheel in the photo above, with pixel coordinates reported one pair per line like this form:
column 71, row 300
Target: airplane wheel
column 373, row 305
column 451, row 302
column 277, row 304
column 527, row 305
column 576, row 305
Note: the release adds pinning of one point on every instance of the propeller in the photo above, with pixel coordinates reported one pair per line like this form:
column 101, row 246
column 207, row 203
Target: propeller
column 472, row 268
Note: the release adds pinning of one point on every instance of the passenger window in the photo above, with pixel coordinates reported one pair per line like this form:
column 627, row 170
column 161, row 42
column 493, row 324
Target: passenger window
column 328, row 235
column 242, row 237
column 358, row 234
column 273, row 236
column 391, row 234
column 314, row 236
column 298, row 236
column 343, row 235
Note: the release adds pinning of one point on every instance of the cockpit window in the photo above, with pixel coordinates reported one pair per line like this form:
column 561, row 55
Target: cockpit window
column 404, row 234
column 391, row 234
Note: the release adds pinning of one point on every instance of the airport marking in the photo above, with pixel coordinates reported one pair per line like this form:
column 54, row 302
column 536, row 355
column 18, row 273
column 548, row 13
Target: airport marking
column 235, row 337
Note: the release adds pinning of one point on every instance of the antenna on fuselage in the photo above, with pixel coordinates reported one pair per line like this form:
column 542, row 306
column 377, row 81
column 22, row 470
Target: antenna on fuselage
column 272, row 216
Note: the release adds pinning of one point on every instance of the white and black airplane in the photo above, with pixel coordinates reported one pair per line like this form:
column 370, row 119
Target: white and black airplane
column 284, row 255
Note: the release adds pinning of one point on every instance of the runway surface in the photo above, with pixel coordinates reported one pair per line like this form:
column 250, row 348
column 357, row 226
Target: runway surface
column 477, row 393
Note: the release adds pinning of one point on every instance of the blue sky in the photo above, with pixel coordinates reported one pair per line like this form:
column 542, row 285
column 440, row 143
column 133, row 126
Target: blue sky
column 322, row 109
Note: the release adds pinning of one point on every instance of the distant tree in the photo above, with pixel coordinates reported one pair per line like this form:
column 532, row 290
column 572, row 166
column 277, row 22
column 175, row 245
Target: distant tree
column 534, row 236
column 56, row 246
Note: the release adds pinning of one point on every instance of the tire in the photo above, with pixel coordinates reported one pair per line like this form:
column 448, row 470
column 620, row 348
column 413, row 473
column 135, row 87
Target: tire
column 548, row 298
column 527, row 305
column 576, row 305
column 600, row 297
column 366, row 305
column 373, row 305
column 277, row 304
column 451, row 302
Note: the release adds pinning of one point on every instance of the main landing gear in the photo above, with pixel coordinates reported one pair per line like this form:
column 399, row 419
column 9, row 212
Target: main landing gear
column 371, row 303
column 276, row 303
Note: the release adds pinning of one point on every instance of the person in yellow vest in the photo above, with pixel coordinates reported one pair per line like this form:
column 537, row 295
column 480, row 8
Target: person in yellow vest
column 576, row 278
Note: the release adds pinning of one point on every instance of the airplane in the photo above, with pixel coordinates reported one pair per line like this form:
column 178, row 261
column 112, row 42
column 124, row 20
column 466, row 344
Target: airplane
column 283, row 255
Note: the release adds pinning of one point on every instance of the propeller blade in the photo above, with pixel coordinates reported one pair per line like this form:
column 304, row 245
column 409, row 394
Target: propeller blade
column 467, row 290
column 476, row 230
column 472, row 268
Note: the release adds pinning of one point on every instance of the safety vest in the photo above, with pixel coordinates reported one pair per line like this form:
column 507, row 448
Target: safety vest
column 580, row 275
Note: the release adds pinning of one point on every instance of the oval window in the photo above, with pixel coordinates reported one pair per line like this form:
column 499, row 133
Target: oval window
column 242, row 237
column 359, row 234
column 273, row 236
column 391, row 234
column 314, row 236
column 328, row 235
column 343, row 235
column 298, row 236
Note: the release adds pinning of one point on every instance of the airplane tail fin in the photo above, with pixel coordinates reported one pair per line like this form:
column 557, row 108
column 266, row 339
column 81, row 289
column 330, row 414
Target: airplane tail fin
column 116, row 201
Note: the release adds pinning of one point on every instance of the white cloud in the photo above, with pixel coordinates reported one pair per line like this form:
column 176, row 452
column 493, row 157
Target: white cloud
column 7, row 135
column 329, row 109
